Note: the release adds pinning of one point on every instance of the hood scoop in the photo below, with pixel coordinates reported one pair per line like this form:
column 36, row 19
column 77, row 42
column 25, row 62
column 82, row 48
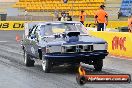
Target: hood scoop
column 71, row 36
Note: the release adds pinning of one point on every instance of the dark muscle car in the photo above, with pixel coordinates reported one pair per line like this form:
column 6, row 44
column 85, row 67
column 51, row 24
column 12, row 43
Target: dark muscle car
column 56, row 43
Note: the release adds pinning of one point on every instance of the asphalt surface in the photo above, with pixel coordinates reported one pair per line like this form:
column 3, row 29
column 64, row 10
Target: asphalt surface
column 13, row 73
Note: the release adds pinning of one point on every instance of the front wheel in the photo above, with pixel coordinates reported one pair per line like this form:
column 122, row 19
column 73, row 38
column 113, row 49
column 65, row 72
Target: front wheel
column 98, row 64
column 27, row 60
column 46, row 65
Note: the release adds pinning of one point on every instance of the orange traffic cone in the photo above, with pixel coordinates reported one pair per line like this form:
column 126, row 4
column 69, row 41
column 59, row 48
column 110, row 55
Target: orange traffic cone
column 18, row 38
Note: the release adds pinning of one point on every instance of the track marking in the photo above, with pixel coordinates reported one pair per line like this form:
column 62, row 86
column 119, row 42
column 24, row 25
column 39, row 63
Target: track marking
column 119, row 57
column 3, row 41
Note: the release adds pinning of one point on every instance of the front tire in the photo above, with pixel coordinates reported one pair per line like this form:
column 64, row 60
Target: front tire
column 98, row 64
column 27, row 60
column 46, row 65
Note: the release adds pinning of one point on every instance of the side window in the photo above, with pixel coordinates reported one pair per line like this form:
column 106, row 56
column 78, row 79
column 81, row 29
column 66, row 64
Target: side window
column 46, row 30
column 42, row 30
column 33, row 34
column 31, row 30
column 34, row 30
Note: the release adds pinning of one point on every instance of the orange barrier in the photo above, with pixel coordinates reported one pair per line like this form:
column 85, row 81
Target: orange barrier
column 18, row 38
column 119, row 43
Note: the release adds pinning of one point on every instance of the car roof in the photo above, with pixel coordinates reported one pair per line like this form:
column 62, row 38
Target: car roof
column 57, row 22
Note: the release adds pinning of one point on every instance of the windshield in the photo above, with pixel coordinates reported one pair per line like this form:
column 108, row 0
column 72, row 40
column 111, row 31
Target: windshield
column 56, row 28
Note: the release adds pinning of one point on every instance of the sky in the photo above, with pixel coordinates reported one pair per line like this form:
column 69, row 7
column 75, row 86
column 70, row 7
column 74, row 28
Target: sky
column 8, row 0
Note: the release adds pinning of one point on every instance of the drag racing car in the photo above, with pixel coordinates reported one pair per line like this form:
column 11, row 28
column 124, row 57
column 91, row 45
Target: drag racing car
column 57, row 43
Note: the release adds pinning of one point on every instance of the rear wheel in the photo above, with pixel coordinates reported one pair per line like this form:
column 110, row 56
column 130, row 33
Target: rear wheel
column 98, row 64
column 46, row 65
column 27, row 60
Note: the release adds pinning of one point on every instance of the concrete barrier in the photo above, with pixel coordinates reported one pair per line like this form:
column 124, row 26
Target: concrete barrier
column 119, row 43
column 19, row 25
column 111, row 24
column 11, row 25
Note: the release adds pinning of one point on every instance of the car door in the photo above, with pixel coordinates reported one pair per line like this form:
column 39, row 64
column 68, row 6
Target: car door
column 32, row 41
column 35, row 42
column 28, row 39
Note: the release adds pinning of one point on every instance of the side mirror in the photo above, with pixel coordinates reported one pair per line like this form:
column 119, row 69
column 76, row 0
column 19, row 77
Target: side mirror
column 33, row 36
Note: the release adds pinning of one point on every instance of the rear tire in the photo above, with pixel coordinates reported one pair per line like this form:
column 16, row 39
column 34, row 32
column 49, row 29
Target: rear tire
column 46, row 65
column 27, row 60
column 98, row 64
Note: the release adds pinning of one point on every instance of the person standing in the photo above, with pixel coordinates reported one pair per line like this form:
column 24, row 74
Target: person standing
column 130, row 23
column 101, row 18
column 119, row 14
column 82, row 17
column 64, row 17
column 56, row 15
column 69, row 18
column 25, row 14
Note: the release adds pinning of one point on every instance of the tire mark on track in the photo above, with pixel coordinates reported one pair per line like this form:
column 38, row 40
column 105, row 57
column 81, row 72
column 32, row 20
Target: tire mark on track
column 55, row 78
column 16, row 51
column 12, row 45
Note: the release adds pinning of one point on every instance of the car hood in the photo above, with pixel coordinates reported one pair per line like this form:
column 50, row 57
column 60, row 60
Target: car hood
column 82, row 40
column 91, row 39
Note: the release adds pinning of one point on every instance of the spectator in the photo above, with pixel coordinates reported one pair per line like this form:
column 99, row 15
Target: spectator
column 82, row 17
column 101, row 18
column 119, row 14
column 130, row 23
column 25, row 14
column 63, row 17
column 59, row 18
column 69, row 18
column 56, row 14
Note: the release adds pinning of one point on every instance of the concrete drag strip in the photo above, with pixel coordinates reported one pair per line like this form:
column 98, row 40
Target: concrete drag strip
column 9, row 49
column 60, row 79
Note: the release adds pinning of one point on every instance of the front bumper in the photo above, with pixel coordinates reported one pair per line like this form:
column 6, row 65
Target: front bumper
column 76, row 56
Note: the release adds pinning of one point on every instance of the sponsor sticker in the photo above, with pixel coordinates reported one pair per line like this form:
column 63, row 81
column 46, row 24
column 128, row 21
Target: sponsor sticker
column 83, row 78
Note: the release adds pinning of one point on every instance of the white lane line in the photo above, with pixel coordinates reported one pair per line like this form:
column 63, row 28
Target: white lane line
column 2, row 41
column 123, row 58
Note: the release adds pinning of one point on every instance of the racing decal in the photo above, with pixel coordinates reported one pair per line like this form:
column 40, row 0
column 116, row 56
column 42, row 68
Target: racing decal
column 32, row 50
column 119, row 43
